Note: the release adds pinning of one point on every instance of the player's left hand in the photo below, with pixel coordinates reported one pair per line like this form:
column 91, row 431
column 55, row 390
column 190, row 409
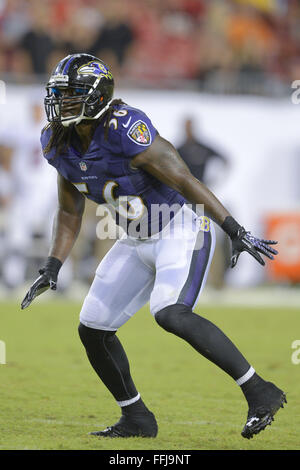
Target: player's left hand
column 244, row 241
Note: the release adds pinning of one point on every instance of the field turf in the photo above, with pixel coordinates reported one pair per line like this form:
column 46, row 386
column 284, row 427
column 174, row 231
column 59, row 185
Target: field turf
column 51, row 398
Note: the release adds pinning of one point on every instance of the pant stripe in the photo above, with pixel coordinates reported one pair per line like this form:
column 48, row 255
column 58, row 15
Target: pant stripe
column 193, row 283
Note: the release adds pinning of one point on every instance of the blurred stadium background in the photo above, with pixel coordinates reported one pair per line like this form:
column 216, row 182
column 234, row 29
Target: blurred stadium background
column 216, row 78
column 213, row 72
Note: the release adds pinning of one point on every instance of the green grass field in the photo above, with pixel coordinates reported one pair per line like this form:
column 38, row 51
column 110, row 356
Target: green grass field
column 51, row 398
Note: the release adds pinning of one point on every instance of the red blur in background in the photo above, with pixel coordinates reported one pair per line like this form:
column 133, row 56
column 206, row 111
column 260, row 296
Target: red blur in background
column 286, row 228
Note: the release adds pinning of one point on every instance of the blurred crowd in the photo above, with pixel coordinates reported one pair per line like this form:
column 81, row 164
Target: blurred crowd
column 147, row 43
column 153, row 41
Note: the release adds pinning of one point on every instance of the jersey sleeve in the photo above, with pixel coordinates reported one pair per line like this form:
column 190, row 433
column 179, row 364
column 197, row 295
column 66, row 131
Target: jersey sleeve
column 139, row 134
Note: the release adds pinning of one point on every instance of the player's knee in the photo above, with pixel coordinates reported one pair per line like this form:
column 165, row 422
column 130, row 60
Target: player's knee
column 172, row 317
column 91, row 337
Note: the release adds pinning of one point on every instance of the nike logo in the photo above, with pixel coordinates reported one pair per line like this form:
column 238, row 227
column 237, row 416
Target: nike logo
column 127, row 123
column 249, row 423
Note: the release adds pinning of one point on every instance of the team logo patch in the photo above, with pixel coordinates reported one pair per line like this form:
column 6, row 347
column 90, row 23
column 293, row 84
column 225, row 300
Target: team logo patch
column 83, row 166
column 139, row 133
column 94, row 68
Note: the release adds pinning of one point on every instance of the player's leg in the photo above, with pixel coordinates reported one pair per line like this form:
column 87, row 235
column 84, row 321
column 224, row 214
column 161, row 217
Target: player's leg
column 122, row 285
column 185, row 277
column 179, row 282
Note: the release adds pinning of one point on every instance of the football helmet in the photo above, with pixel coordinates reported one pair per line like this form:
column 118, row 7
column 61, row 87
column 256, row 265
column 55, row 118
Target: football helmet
column 80, row 87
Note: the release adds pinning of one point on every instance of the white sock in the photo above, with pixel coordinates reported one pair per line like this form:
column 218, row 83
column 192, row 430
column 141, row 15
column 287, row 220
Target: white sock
column 246, row 376
column 129, row 402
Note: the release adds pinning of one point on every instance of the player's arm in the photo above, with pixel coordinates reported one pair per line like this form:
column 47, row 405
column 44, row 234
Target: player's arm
column 67, row 220
column 163, row 161
column 66, row 228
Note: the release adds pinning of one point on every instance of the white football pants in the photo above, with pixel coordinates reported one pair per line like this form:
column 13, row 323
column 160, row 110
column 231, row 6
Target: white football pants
column 165, row 269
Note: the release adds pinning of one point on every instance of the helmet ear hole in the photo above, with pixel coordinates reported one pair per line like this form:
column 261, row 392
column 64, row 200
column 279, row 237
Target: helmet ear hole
column 93, row 99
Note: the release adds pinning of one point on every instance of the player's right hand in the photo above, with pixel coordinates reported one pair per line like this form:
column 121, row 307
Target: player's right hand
column 47, row 279
column 40, row 285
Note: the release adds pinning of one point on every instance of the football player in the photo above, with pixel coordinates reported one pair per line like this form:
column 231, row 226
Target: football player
column 111, row 153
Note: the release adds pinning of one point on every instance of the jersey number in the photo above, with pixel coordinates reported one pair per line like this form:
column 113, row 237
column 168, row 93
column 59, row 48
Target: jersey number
column 130, row 207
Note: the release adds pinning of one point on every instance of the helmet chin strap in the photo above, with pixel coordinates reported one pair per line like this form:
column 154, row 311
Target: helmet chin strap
column 75, row 120
column 78, row 119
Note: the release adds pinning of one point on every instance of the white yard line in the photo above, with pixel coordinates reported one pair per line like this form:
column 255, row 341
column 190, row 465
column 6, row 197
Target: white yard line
column 64, row 423
column 272, row 296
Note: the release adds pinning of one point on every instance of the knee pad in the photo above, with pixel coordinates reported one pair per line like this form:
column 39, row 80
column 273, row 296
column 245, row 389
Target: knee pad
column 173, row 317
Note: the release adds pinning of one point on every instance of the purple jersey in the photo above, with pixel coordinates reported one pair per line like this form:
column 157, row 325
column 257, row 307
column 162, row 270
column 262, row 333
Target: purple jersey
column 104, row 175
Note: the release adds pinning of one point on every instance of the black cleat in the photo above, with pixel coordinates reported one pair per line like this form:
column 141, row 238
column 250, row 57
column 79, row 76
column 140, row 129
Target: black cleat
column 262, row 413
column 131, row 426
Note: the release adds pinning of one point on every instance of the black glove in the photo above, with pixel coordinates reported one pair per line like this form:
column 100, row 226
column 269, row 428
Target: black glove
column 46, row 280
column 244, row 241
